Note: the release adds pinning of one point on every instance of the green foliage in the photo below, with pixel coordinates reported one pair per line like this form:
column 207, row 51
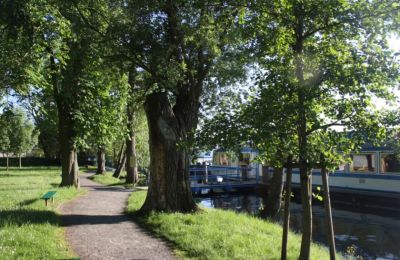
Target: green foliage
column 220, row 234
column 21, row 133
column 4, row 138
column 29, row 230
column 142, row 139
column 320, row 64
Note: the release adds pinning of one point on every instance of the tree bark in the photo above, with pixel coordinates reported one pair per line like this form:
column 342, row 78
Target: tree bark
column 273, row 201
column 306, row 200
column 169, row 187
column 286, row 219
column 7, row 161
column 66, row 94
column 101, row 161
column 305, row 171
column 328, row 214
column 131, row 158
column 121, row 161
column 20, row 163
column 69, row 158
column 131, row 108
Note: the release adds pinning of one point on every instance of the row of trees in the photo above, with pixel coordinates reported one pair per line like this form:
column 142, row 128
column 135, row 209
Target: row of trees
column 94, row 64
column 17, row 133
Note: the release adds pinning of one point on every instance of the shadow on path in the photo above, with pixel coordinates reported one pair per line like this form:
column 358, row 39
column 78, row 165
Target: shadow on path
column 73, row 220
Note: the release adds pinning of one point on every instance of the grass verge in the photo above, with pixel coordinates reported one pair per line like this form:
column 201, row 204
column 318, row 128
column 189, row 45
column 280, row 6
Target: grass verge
column 220, row 234
column 109, row 180
column 29, row 229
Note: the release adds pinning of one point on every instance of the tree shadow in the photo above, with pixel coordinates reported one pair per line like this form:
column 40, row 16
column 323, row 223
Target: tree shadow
column 24, row 169
column 8, row 175
column 20, row 217
column 27, row 202
column 74, row 220
column 18, row 188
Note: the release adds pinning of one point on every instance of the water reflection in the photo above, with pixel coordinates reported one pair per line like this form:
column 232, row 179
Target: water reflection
column 371, row 236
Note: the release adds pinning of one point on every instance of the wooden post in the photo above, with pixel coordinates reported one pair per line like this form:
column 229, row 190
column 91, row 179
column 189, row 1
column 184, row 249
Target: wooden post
column 288, row 191
column 206, row 172
column 328, row 213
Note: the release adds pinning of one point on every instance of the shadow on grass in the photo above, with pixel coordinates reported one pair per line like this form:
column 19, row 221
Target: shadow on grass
column 18, row 188
column 27, row 202
column 20, row 217
column 16, row 169
column 8, row 175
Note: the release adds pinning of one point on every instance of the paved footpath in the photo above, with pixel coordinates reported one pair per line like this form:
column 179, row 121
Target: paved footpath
column 98, row 228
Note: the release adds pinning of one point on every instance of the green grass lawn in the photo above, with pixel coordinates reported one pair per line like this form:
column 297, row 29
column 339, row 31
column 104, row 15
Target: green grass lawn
column 29, row 230
column 220, row 234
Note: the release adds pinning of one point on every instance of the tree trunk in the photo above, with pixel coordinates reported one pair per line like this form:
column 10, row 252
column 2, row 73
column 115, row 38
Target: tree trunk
column 66, row 89
column 306, row 200
column 20, row 163
column 7, row 161
column 169, row 187
column 115, row 163
column 121, row 161
column 288, row 191
column 328, row 214
column 131, row 158
column 273, row 201
column 101, row 161
column 305, row 171
column 69, row 158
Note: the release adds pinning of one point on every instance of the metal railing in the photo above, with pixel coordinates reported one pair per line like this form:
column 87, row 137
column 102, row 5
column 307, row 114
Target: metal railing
column 222, row 176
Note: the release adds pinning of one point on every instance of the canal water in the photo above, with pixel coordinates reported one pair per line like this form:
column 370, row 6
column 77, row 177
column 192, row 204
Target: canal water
column 364, row 235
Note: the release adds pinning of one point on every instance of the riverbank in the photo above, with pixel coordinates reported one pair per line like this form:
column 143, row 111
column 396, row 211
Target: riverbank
column 29, row 229
column 220, row 234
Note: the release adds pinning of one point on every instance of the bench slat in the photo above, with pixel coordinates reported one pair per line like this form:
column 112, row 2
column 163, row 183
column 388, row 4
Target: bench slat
column 49, row 195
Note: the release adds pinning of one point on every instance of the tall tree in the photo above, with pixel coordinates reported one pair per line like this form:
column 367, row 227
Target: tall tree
column 335, row 55
column 69, row 53
column 175, row 44
column 22, row 136
column 4, row 139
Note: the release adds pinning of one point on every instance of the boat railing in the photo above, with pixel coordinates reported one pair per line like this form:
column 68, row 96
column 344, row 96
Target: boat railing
column 223, row 175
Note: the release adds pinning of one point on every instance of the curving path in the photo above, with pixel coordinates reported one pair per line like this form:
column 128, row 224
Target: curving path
column 98, row 228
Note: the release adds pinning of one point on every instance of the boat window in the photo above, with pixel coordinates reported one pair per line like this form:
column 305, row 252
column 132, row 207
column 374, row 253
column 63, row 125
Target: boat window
column 222, row 159
column 389, row 163
column 244, row 159
column 363, row 163
column 341, row 167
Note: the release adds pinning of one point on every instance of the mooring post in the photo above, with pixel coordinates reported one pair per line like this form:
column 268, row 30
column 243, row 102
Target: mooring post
column 206, row 173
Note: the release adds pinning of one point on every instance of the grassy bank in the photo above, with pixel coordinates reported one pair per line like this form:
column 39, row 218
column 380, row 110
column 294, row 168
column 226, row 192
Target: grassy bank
column 109, row 180
column 29, row 230
column 220, row 234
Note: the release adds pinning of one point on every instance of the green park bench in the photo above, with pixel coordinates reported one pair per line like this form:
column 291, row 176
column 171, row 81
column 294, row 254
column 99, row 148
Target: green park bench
column 49, row 195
